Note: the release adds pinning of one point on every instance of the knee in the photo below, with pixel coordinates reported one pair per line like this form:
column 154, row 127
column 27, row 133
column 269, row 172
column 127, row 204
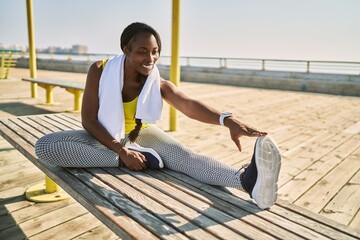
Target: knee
column 44, row 148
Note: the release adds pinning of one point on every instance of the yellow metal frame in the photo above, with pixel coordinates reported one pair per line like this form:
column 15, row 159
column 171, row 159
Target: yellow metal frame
column 175, row 64
column 46, row 192
column 49, row 93
column 32, row 52
column 77, row 98
column 6, row 63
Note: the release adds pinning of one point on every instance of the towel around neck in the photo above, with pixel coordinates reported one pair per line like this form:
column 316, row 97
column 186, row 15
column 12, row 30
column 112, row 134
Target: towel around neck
column 111, row 110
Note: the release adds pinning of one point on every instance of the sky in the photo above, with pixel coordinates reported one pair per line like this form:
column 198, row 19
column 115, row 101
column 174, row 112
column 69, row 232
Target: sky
column 266, row 29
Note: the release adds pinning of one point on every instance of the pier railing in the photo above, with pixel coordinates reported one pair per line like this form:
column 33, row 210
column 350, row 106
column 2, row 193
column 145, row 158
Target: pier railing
column 308, row 66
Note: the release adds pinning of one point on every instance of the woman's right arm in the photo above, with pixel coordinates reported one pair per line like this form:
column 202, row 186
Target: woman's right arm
column 89, row 112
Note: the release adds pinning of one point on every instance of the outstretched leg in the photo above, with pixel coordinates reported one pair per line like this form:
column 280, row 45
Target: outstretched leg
column 259, row 178
column 179, row 158
column 75, row 149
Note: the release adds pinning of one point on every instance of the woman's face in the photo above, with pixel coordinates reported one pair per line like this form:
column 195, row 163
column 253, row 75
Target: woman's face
column 143, row 53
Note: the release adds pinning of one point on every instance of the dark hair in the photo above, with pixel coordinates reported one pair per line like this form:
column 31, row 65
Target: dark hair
column 130, row 32
column 128, row 36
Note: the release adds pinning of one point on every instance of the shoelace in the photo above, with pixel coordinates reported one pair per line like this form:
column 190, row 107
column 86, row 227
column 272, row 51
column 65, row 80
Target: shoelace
column 242, row 167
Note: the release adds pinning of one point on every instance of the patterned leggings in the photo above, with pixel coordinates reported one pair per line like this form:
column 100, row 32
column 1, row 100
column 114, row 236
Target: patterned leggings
column 79, row 149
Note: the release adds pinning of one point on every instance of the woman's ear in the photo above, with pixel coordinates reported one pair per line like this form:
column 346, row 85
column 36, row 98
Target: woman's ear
column 126, row 51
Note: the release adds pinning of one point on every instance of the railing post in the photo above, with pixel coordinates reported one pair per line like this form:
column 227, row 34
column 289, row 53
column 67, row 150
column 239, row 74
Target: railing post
column 188, row 61
column 263, row 65
column 308, row 66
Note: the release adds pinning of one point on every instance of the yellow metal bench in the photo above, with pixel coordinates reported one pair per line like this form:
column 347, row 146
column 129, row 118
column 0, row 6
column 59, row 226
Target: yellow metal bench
column 163, row 204
column 76, row 88
column 6, row 63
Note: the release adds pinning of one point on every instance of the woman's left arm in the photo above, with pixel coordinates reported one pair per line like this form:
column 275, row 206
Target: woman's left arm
column 197, row 110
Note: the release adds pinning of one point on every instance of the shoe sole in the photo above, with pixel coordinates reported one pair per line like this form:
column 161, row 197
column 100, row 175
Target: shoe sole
column 144, row 151
column 268, row 163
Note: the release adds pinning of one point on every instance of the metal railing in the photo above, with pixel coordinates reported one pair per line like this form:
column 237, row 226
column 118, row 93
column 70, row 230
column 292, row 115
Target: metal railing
column 340, row 67
column 307, row 66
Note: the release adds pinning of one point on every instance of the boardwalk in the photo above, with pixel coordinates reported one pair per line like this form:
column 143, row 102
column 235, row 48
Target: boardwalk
column 319, row 136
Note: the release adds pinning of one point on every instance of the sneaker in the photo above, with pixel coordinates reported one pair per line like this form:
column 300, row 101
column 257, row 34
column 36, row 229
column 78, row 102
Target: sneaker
column 154, row 161
column 260, row 177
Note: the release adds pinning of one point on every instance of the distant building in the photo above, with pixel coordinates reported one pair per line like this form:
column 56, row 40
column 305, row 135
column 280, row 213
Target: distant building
column 75, row 49
column 79, row 49
column 12, row 47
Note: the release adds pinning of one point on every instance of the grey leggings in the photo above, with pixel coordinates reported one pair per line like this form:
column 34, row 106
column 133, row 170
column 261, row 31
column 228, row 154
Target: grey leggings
column 79, row 149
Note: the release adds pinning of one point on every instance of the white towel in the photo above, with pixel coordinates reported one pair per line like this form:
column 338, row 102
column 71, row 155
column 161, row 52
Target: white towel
column 111, row 109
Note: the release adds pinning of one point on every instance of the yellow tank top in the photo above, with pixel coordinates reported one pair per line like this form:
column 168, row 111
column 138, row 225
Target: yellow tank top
column 129, row 112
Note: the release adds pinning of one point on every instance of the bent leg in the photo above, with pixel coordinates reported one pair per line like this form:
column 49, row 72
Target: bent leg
column 179, row 158
column 75, row 148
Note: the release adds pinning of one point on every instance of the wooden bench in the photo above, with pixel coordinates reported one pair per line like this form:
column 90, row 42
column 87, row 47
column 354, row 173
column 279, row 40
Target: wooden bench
column 163, row 204
column 76, row 88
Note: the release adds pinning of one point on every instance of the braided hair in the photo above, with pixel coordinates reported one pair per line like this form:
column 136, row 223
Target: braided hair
column 128, row 36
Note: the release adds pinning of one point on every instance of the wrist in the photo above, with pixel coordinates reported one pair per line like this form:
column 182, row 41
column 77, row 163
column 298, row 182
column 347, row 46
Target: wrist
column 223, row 117
column 228, row 121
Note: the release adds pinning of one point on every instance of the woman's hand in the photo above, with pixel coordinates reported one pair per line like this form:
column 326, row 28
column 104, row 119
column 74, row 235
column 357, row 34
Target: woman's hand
column 133, row 160
column 238, row 129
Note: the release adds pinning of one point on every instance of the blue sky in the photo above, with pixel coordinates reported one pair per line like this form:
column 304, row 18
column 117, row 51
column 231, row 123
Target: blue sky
column 281, row 29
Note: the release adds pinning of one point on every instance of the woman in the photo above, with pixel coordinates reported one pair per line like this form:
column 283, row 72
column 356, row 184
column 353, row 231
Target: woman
column 123, row 96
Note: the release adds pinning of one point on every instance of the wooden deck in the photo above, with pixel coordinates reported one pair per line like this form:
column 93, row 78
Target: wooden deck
column 319, row 136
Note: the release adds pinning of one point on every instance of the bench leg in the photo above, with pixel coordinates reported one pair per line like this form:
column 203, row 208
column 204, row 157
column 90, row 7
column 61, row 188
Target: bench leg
column 77, row 98
column 49, row 93
column 48, row 192
column 34, row 92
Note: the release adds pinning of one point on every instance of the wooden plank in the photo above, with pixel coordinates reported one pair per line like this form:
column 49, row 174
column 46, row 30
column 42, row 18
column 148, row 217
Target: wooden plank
column 131, row 209
column 314, row 168
column 353, row 129
column 326, row 188
column 18, row 173
column 45, row 125
column 314, row 221
column 27, row 177
column 49, row 220
column 32, row 211
column 183, row 207
column 68, row 229
column 10, row 168
column 100, row 232
column 68, row 118
column 9, row 195
column 67, row 124
column 289, row 216
column 306, row 145
column 15, row 205
column 153, row 205
column 344, row 206
column 194, row 218
column 355, row 222
column 57, row 124
column 179, row 190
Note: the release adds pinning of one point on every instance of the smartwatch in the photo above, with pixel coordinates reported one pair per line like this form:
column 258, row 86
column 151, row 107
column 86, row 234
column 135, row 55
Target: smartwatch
column 224, row 115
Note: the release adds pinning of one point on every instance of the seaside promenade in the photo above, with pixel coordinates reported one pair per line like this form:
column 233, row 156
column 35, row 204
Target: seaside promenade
column 318, row 134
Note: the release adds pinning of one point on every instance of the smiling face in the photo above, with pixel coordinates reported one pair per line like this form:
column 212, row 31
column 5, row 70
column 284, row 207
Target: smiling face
column 142, row 52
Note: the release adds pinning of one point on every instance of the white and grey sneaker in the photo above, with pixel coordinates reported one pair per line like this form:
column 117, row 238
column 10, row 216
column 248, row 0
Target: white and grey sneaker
column 260, row 177
column 154, row 160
